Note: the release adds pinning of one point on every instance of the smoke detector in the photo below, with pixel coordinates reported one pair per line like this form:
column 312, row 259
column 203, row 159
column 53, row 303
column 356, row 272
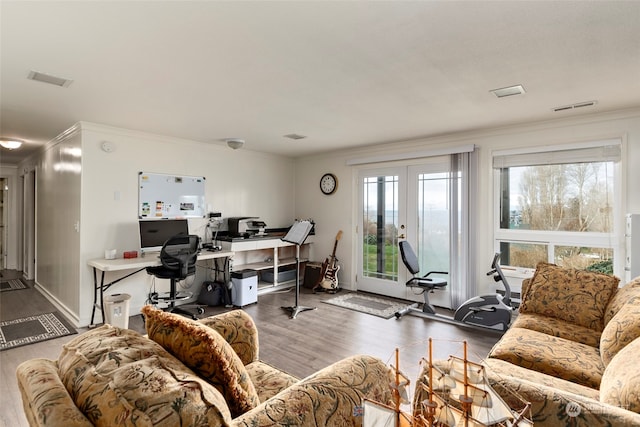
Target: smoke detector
column 235, row 143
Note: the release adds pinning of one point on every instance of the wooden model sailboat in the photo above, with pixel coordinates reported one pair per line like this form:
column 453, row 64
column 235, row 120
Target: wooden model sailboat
column 454, row 394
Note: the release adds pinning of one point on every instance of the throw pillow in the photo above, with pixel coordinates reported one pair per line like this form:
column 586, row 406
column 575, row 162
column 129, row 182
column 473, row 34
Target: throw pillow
column 620, row 384
column 623, row 328
column 117, row 377
column 207, row 353
column 575, row 296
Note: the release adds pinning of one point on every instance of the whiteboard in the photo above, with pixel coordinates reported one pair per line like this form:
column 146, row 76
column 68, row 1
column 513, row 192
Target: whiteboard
column 170, row 196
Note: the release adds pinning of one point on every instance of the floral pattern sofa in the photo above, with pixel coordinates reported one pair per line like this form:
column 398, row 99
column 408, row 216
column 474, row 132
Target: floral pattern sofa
column 573, row 351
column 190, row 373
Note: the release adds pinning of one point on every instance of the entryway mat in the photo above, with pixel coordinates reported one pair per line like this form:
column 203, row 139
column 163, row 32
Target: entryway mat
column 32, row 329
column 11, row 285
column 374, row 305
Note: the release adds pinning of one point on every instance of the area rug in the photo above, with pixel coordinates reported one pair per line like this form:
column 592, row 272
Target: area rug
column 374, row 305
column 11, row 285
column 32, row 329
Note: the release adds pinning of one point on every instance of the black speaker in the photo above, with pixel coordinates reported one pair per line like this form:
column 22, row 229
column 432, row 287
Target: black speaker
column 312, row 272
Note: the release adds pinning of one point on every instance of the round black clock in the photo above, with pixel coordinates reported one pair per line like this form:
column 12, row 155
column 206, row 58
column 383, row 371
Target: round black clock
column 328, row 183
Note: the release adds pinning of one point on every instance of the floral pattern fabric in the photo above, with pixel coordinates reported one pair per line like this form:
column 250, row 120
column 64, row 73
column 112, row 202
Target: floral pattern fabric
column 555, row 402
column 550, row 355
column 557, row 328
column 621, row 380
column 330, row 397
column 622, row 329
column 117, row 377
column 46, row 400
column 239, row 330
column 629, row 293
column 155, row 388
column 205, row 351
column 576, row 296
column 268, row 380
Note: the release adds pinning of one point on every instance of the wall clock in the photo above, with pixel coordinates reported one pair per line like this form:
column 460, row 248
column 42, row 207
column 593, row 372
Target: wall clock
column 328, row 183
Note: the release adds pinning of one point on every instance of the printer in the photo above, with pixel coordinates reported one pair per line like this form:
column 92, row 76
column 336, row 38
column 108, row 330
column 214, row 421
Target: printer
column 246, row 226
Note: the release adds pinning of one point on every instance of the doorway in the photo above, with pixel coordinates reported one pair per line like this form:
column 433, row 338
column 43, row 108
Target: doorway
column 426, row 204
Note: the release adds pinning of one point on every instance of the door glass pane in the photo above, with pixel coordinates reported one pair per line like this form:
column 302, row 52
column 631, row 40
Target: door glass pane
column 433, row 221
column 380, row 227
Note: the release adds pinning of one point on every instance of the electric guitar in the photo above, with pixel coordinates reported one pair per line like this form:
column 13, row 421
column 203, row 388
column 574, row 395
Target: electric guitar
column 330, row 267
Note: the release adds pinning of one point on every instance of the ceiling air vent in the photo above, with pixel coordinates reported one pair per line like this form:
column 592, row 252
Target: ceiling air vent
column 295, row 136
column 48, row 78
column 577, row 105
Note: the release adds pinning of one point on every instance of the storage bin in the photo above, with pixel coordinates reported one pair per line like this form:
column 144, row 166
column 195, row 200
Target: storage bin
column 283, row 276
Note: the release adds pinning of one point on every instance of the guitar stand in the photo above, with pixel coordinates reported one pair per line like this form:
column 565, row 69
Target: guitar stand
column 296, row 309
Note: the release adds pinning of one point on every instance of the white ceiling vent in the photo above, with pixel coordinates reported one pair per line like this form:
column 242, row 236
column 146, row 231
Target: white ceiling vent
column 295, row 136
column 508, row 91
column 48, row 78
column 577, row 105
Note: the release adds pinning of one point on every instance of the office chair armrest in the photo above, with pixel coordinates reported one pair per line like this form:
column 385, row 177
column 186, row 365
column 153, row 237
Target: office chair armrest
column 436, row 272
column 239, row 330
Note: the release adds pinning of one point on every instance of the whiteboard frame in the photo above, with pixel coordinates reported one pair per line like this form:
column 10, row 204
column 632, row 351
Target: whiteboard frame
column 164, row 196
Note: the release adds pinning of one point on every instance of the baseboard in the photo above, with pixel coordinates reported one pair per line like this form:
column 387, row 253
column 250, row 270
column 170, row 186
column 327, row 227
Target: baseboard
column 68, row 313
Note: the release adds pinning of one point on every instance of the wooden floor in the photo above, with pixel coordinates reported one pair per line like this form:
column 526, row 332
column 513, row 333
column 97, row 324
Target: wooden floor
column 299, row 346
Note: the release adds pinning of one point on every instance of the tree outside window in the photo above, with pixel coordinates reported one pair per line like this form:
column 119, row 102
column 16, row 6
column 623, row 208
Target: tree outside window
column 562, row 212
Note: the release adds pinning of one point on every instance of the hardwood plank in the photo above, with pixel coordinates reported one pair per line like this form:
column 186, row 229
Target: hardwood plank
column 300, row 346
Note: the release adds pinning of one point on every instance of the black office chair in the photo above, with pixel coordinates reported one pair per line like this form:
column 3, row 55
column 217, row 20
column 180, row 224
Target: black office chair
column 178, row 256
column 427, row 284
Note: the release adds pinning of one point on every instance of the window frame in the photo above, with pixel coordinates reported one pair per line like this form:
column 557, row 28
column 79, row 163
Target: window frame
column 613, row 240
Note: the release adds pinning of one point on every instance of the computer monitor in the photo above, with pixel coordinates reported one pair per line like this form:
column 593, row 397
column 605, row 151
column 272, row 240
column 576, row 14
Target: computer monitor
column 153, row 233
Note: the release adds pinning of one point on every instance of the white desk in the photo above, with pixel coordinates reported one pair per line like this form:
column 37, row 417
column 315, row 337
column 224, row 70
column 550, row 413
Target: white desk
column 136, row 264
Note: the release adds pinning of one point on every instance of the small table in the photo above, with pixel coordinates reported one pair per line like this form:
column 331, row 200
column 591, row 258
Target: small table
column 136, row 264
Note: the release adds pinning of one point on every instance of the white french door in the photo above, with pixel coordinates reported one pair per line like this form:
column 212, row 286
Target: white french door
column 417, row 203
column 382, row 221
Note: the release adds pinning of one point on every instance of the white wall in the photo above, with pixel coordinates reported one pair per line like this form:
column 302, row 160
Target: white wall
column 238, row 183
column 103, row 200
column 339, row 210
column 57, row 220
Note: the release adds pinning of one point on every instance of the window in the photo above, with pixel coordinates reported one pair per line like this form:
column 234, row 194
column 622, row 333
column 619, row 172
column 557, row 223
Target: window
column 559, row 205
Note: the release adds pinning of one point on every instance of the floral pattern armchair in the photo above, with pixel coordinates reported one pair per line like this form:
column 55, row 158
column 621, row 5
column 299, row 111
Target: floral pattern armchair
column 189, row 373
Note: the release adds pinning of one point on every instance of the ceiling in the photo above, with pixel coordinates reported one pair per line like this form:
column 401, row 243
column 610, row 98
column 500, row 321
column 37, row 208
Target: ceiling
column 343, row 74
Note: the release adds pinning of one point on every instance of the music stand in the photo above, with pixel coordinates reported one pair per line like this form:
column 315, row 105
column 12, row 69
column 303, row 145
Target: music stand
column 297, row 235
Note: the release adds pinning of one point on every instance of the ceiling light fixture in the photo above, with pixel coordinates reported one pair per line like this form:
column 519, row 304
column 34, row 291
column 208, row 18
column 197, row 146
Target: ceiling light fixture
column 235, row 143
column 11, row 144
column 508, row 91
column 48, row 78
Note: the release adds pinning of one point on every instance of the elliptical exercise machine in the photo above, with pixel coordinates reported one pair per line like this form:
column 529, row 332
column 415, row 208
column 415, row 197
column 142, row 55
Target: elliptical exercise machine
column 492, row 311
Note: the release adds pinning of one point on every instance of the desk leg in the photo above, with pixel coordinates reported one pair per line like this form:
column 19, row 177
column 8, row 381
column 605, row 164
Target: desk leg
column 95, row 297
column 102, row 296
column 97, row 287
